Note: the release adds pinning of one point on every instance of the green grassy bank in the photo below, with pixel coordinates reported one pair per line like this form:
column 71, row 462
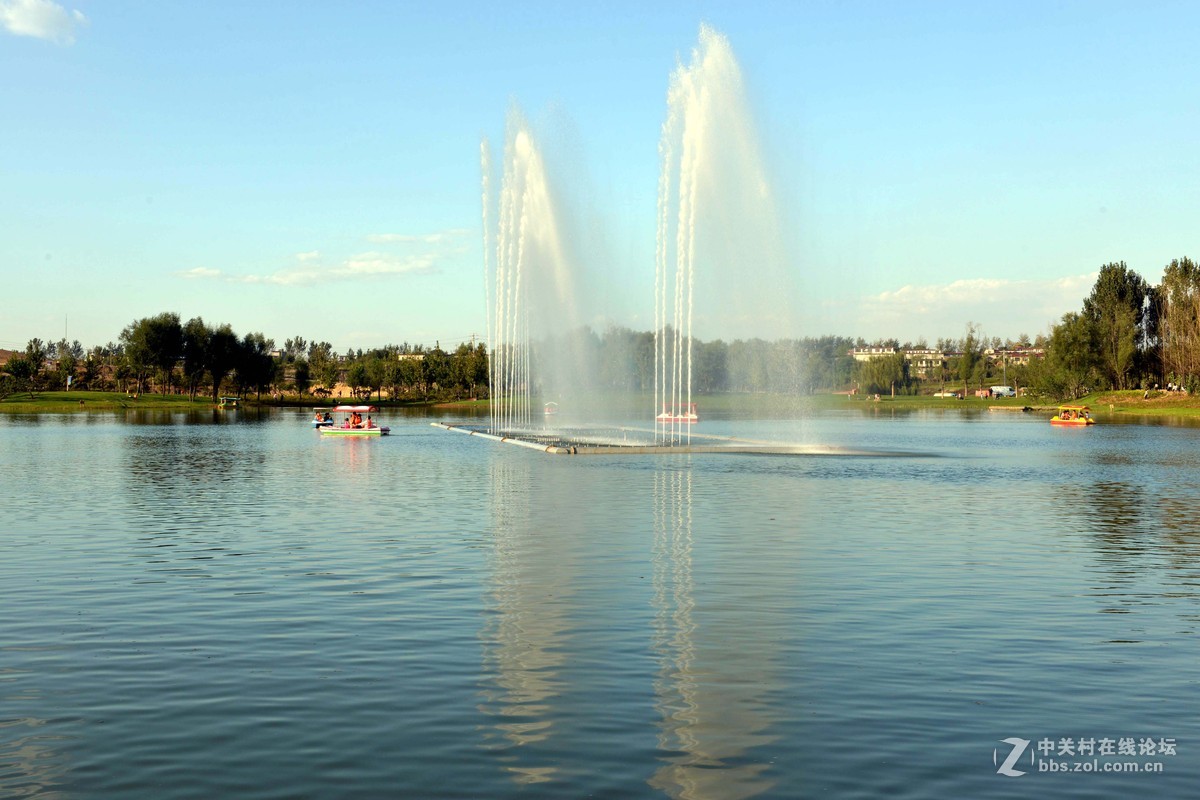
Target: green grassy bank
column 1133, row 403
column 83, row 401
column 74, row 402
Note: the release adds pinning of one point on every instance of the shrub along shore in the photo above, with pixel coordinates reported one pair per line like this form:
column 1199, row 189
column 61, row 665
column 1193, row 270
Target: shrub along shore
column 87, row 401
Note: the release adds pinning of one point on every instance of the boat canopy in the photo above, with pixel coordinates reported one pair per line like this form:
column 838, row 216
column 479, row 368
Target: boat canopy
column 359, row 409
column 1073, row 408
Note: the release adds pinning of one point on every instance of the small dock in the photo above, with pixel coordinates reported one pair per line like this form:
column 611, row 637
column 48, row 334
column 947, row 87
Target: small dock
column 638, row 441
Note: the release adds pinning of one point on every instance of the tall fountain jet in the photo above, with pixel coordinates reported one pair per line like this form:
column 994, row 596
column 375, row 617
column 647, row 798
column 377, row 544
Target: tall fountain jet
column 527, row 275
column 716, row 219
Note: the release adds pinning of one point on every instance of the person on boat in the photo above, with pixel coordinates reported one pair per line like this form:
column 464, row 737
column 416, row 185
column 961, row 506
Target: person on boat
column 317, row 417
column 328, row 417
column 369, row 423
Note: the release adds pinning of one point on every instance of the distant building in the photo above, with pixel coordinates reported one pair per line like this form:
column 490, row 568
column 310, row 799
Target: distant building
column 871, row 353
column 922, row 362
column 1017, row 355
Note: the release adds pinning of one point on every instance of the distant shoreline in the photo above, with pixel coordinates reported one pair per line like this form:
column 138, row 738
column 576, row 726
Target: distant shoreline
column 87, row 401
column 1134, row 403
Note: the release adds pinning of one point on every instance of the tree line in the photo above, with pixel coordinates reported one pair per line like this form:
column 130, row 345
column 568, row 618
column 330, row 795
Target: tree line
column 1129, row 334
column 161, row 354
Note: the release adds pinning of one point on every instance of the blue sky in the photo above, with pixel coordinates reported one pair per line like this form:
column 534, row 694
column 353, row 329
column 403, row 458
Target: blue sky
column 313, row 169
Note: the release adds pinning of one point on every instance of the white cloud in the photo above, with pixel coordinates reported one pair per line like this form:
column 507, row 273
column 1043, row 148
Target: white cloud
column 200, row 272
column 41, row 19
column 312, row 268
column 443, row 237
column 1001, row 292
column 1002, row 306
column 356, row 268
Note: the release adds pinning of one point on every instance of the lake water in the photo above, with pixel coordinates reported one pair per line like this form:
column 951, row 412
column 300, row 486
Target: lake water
column 232, row 606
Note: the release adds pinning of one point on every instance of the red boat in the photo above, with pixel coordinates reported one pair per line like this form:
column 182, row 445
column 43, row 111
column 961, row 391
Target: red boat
column 681, row 414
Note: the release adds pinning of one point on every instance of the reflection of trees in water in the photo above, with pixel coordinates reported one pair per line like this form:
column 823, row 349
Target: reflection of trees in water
column 707, row 690
column 525, row 635
column 188, row 465
column 33, row 765
column 181, row 483
column 1138, row 533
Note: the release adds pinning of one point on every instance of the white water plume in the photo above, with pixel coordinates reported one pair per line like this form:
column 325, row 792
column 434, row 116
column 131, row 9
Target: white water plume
column 528, row 277
column 716, row 219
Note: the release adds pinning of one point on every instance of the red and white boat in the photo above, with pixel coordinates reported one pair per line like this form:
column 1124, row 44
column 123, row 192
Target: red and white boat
column 678, row 414
column 354, row 424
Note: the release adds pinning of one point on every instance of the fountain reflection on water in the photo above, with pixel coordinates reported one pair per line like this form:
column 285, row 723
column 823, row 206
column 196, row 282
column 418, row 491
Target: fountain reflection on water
column 708, row 697
column 524, row 640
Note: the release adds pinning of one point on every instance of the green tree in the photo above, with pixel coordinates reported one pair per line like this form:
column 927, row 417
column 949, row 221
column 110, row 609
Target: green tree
column 1178, row 312
column 1116, row 311
column 21, row 370
column 972, row 353
column 883, row 374
column 435, row 369
column 410, row 375
column 68, row 355
column 91, row 365
column 153, row 344
column 710, row 370
column 1070, row 363
column 197, row 338
column 479, row 369
column 223, row 352
column 36, row 354
column 301, row 376
column 356, row 376
column 375, row 374
column 293, row 349
column 255, row 366
column 324, row 365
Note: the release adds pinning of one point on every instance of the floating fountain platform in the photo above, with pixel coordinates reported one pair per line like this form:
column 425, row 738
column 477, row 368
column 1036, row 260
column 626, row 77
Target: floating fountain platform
column 638, row 441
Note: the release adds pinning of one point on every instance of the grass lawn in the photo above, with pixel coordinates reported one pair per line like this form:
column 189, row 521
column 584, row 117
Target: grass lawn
column 1133, row 403
column 63, row 402
column 1141, row 403
column 76, row 401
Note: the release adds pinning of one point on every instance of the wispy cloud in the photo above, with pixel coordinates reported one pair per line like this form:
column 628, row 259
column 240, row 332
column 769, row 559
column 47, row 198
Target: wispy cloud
column 41, row 19
column 200, row 272
column 311, row 267
column 982, row 292
column 360, row 267
column 998, row 303
column 452, row 236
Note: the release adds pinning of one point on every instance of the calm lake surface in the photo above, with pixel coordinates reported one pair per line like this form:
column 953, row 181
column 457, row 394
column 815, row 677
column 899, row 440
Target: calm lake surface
column 232, row 606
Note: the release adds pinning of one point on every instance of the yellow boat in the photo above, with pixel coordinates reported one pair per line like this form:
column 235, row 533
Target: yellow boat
column 1073, row 415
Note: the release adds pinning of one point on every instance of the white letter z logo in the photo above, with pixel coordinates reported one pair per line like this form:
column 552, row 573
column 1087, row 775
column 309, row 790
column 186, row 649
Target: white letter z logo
column 1018, row 749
